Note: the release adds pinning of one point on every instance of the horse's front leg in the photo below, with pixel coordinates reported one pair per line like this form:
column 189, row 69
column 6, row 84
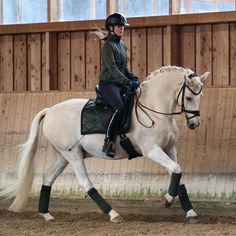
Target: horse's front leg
column 191, row 215
column 171, row 152
column 156, row 154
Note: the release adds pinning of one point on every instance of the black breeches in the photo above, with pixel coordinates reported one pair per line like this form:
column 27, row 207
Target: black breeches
column 111, row 94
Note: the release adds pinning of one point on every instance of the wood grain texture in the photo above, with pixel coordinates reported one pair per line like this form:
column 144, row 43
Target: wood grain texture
column 139, row 52
column 187, row 47
column 209, row 149
column 171, row 45
column 34, row 62
column 232, row 50
column 20, row 63
column 71, row 60
column 220, row 55
column 64, row 52
column 50, row 82
column 127, row 40
column 6, row 63
column 204, row 51
column 78, row 68
column 93, row 61
column 154, row 49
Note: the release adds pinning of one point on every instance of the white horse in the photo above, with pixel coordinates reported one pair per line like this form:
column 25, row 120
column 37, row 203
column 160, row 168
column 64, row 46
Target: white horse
column 162, row 92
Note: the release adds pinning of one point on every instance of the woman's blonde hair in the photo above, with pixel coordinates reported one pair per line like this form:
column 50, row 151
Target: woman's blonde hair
column 99, row 33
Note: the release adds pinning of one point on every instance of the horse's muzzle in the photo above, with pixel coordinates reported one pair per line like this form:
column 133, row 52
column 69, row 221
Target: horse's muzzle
column 193, row 124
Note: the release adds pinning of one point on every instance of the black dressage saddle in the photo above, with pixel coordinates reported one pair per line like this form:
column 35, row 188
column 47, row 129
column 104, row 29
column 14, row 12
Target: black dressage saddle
column 96, row 114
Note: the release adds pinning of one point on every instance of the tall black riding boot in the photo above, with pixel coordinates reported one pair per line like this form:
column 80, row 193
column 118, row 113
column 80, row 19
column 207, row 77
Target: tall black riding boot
column 111, row 133
column 108, row 148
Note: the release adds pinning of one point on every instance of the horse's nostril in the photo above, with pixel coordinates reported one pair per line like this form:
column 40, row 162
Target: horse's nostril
column 192, row 125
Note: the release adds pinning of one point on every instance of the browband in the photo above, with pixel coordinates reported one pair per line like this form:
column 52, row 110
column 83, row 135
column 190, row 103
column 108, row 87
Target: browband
column 192, row 75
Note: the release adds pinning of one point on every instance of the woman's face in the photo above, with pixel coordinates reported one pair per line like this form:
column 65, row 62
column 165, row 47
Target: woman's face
column 119, row 30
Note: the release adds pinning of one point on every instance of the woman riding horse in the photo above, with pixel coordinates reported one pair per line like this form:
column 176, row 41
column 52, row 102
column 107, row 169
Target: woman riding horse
column 114, row 75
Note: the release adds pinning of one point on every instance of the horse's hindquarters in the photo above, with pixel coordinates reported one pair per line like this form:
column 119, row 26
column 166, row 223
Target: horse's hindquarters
column 62, row 123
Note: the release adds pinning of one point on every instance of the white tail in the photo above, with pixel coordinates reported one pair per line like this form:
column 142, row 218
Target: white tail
column 21, row 189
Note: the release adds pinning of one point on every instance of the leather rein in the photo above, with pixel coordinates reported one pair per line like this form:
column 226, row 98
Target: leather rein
column 142, row 107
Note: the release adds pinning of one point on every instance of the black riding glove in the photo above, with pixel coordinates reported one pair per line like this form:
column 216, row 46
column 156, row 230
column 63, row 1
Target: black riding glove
column 135, row 78
column 133, row 84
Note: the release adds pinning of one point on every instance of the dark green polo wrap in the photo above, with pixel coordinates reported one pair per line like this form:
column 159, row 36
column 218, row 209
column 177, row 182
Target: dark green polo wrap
column 184, row 199
column 174, row 184
column 99, row 200
column 44, row 199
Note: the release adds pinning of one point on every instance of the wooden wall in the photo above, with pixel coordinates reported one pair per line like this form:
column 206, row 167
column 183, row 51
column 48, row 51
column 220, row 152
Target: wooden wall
column 70, row 60
column 36, row 60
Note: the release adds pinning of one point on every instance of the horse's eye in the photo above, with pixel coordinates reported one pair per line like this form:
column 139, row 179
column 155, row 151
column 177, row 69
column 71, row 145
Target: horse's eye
column 188, row 98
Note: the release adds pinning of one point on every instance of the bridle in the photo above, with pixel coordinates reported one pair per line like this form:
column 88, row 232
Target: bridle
column 142, row 107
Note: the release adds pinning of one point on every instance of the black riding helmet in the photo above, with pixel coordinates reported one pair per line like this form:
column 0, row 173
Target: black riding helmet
column 115, row 19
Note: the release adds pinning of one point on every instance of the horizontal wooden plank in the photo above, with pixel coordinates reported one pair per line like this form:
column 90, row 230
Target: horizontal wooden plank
column 151, row 21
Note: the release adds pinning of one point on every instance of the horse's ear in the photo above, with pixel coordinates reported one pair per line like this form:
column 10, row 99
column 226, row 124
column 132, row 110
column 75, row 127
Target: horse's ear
column 204, row 76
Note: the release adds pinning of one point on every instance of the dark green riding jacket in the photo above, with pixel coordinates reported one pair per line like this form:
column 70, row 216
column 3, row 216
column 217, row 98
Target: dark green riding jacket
column 114, row 62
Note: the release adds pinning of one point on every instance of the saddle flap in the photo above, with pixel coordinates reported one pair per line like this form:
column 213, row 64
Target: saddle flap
column 95, row 117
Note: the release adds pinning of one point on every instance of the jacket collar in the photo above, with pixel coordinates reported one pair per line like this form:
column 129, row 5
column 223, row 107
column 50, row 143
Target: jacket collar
column 114, row 38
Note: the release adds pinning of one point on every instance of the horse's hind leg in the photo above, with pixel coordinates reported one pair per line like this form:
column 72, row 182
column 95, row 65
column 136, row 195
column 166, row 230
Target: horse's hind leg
column 49, row 178
column 76, row 160
column 191, row 215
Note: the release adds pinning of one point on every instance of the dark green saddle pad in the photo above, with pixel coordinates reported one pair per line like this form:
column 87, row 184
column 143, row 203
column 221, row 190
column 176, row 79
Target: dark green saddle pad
column 95, row 117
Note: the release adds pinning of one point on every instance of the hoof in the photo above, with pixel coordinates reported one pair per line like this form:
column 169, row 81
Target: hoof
column 117, row 219
column 166, row 203
column 47, row 216
column 192, row 220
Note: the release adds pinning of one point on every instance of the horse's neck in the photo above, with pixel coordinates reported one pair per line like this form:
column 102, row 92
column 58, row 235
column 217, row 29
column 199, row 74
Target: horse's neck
column 160, row 94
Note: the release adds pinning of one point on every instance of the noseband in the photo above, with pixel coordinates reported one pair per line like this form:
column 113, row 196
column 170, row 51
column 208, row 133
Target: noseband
column 183, row 109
